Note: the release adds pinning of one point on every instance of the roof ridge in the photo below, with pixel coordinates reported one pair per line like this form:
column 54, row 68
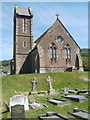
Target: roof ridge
column 67, row 31
column 38, row 40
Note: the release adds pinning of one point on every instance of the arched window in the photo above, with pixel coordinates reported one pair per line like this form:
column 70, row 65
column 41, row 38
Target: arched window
column 24, row 25
column 54, row 53
column 52, row 49
column 67, row 52
column 51, row 55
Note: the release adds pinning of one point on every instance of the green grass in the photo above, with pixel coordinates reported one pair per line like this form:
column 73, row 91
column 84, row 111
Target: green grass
column 20, row 84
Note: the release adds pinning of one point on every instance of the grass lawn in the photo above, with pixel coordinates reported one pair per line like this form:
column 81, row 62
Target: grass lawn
column 20, row 84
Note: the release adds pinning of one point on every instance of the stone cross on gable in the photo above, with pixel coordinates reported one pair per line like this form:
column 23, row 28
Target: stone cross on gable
column 34, row 82
column 57, row 15
column 49, row 80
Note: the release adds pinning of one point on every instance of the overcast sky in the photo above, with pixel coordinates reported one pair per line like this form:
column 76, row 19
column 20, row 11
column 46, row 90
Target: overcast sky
column 74, row 16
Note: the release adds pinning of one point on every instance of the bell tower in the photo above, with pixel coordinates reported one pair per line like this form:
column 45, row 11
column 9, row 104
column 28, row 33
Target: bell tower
column 23, row 38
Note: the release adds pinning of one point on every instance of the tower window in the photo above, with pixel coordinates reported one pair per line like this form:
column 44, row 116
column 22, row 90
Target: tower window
column 24, row 44
column 53, row 51
column 24, row 25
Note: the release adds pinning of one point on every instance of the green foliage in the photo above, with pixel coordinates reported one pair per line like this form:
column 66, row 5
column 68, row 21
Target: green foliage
column 4, row 63
column 85, row 52
column 86, row 63
column 20, row 84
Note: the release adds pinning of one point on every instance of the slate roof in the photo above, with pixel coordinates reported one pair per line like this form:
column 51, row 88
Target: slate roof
column 23, row 11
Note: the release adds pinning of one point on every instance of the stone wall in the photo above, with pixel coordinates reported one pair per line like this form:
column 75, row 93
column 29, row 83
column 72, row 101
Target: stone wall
column 59, row 64
column 22, row 44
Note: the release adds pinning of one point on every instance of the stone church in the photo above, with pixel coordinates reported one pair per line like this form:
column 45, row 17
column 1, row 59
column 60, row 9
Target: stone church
column 54, row 51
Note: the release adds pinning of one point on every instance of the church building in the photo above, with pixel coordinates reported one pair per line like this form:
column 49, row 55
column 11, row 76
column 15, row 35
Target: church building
column 54, row 51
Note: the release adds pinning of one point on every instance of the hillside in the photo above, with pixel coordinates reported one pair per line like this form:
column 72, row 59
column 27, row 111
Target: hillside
column 4, row 63
column 85, row 53
column 20, row 84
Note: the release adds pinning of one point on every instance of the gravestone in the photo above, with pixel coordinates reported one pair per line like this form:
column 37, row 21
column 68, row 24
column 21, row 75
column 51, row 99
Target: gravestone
column 81, row 114
column 37, row 105
column 76, row 98
column 34, row 82
column 51, row 90
column 57, row 102
column 17, row 112
column 19, row 100
column 52, row 116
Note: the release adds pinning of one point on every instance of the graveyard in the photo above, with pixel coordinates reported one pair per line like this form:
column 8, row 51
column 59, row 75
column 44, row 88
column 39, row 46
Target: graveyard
column 22, row 84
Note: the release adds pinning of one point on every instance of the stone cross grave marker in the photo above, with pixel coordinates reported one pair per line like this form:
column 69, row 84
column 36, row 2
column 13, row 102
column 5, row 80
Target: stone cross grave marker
column 17, row 112
column 49, row 80
column 34, row 82
column 51, row 90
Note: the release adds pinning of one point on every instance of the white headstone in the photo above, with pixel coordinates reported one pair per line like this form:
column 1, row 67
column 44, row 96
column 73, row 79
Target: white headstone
column 19, row 100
